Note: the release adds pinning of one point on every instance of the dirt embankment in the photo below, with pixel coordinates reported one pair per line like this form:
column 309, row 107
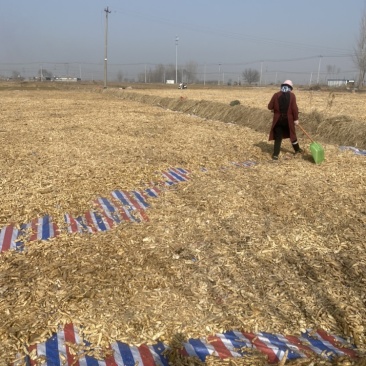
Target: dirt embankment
column 338, row 130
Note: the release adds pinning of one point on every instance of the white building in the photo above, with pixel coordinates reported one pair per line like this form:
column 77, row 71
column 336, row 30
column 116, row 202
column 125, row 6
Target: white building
column 68, row 79
column 340, row 82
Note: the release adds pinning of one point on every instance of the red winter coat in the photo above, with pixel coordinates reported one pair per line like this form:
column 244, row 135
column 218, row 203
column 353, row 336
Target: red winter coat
column 292, row 115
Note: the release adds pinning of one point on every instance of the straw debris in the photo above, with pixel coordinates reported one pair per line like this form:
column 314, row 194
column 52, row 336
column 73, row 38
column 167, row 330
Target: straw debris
column 277, row 247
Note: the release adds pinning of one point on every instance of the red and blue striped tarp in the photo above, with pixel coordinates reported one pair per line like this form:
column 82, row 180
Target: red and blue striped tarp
column 121, row 206
column 63, row 348
column 42, row 228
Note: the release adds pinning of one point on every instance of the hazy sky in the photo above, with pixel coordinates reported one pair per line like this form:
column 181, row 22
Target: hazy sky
column 276, row 36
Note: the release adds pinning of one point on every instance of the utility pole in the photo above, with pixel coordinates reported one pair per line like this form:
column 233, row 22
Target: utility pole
column 107, row 11
column 176, row 59
column 260, row 79
column 218, row 79
column 320, row 61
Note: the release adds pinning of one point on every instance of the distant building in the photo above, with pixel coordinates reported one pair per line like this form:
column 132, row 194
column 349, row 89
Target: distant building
column 67, row 79
column 340, row 82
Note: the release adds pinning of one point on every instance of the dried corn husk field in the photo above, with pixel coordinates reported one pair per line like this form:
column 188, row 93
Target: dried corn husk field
column 276, row 247
column 330, row 103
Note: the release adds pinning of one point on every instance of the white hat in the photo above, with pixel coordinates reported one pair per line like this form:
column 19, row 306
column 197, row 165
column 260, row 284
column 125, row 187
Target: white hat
column 288, row 83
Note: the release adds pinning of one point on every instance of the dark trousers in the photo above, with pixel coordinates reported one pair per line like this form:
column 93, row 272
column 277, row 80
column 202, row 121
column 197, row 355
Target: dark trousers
column 279, row 129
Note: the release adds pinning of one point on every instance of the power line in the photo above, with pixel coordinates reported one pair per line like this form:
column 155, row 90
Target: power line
column 231, row 35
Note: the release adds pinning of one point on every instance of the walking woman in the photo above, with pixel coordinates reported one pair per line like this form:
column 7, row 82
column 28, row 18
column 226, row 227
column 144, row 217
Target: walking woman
column 285, row 117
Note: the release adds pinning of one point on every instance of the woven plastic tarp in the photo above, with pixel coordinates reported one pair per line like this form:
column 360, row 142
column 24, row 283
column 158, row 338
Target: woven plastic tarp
column 58, row 349
column 120, row 206
column 354, row 150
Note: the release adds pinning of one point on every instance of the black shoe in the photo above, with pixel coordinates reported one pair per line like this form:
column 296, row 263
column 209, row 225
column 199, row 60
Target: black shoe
column 274, row 157
column 300, row 151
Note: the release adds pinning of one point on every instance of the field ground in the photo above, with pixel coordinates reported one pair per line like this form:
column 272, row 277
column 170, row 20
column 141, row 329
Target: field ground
column 277, row 247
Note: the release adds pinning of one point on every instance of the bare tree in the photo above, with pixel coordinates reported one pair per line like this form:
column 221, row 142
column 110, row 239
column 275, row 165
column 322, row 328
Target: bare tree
column 170, row 72
column 43, row 73
column 359, row 55
column 251, row 76
column 191, row 71
column 332, row 70
column 156, row 75
column 15, row 75
column 159, row 74
column 120, row 76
